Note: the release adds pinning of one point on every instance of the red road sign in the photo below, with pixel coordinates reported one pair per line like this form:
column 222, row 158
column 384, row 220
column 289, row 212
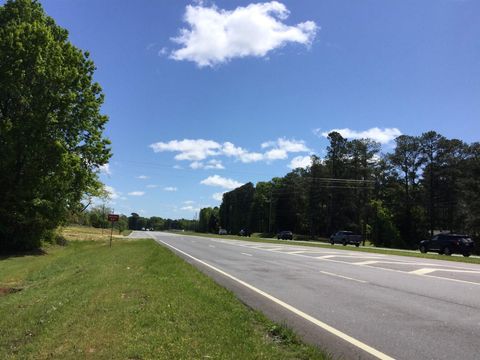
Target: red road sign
column 113, row 217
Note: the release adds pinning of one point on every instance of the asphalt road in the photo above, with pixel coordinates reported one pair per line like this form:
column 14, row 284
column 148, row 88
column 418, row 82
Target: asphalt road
column 355, row 305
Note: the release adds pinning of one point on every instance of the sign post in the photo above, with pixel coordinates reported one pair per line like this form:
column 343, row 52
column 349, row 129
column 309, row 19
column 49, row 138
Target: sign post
column 112, row 218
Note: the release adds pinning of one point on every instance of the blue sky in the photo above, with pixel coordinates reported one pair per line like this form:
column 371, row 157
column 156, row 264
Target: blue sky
column 278, row 74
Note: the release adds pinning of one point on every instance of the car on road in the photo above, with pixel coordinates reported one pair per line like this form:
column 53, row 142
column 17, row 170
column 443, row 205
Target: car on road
column 244, row 232
column 285, row 235
column 448, row 244
column 222, row 232
column 345, row 237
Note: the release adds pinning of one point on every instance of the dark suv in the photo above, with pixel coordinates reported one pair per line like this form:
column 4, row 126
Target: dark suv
column 285, row 235
column 448, row 244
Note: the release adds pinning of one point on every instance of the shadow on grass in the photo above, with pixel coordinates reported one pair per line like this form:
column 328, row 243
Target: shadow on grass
column 14, row 254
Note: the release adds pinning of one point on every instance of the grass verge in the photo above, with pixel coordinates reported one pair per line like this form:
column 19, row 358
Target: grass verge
column 136, row 300
column 373, row 250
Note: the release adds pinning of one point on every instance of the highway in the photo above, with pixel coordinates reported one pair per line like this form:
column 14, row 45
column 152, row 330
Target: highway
column 355, row 305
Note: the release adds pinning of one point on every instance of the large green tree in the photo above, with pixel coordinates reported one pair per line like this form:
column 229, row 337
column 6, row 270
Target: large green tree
column 51, row 127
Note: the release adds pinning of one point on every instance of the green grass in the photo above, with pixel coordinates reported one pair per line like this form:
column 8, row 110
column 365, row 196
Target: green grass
column 136, row 300
column 373, row 250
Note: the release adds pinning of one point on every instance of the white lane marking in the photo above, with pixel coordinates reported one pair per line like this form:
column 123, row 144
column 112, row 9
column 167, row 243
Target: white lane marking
column 366, row 262
column 425, row 271
column 325, row 257
column 320, row 324
column 246, row 254
column 422, row 271
column 343, row 277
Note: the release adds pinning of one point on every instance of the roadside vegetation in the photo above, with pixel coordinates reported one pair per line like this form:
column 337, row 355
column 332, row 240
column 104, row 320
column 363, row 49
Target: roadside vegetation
column 136, row 300
column 51, row 127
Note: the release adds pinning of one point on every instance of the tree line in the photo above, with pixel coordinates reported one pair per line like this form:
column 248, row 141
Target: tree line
column 427, row 183
column 51, row 126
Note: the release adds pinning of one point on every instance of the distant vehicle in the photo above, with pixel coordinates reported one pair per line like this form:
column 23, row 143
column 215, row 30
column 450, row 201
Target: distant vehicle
column 244, row 233
column 346, row 237
column 222, row 232
column 285, row 235
column 448, row 244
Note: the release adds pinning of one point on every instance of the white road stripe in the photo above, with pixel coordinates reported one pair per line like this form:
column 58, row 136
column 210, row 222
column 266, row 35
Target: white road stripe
column 343, row 277
column 422, row 271
column 324, row 326
column 366, row 262
column 425, row 271
column 246, row 254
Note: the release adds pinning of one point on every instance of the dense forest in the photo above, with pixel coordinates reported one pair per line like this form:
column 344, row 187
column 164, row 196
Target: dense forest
column 425, row 184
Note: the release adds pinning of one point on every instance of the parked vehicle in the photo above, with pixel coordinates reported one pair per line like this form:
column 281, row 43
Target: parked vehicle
column 222, row 232
column 346, row 237
column 285, row 235
column 244, row 232
column 448, row 244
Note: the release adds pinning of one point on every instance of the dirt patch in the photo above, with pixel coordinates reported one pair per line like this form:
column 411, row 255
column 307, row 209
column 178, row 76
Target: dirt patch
column 6, row 291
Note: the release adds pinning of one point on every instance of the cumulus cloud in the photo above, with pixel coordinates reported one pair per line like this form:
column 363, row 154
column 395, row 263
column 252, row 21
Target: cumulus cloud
column 219, row 181
column 143, row 177
column 193, row 150
column 276, row 154
column 241, row 154
column 189, row 202
column 170, row 188
column 218, row 196
column 211, row 164
column 282, row 147
column 190, row 208
column 383, row 136
column 215, row 36
column 199, row 150
column 105, row 169
column 300, row 162
column 136, row 193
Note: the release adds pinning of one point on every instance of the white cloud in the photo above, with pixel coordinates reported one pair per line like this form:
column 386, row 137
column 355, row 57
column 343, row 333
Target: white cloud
column 282, row 147
column 218, row 196
column 189, row 202
column 152, row 186
column 190, row 208
column 216, row 35
column 197, row 165
column 292, row 146
column 214, row 164
column 276, row 154
column 111, row 192
column 211, row 164
column 136, row 193
column 170, row 188
column 199, row 150
column 219, row 181
column 143, row 177
column 300, row 162
column 189, row 149
column 383, row 136
column 241, row 154
column 105, row 169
